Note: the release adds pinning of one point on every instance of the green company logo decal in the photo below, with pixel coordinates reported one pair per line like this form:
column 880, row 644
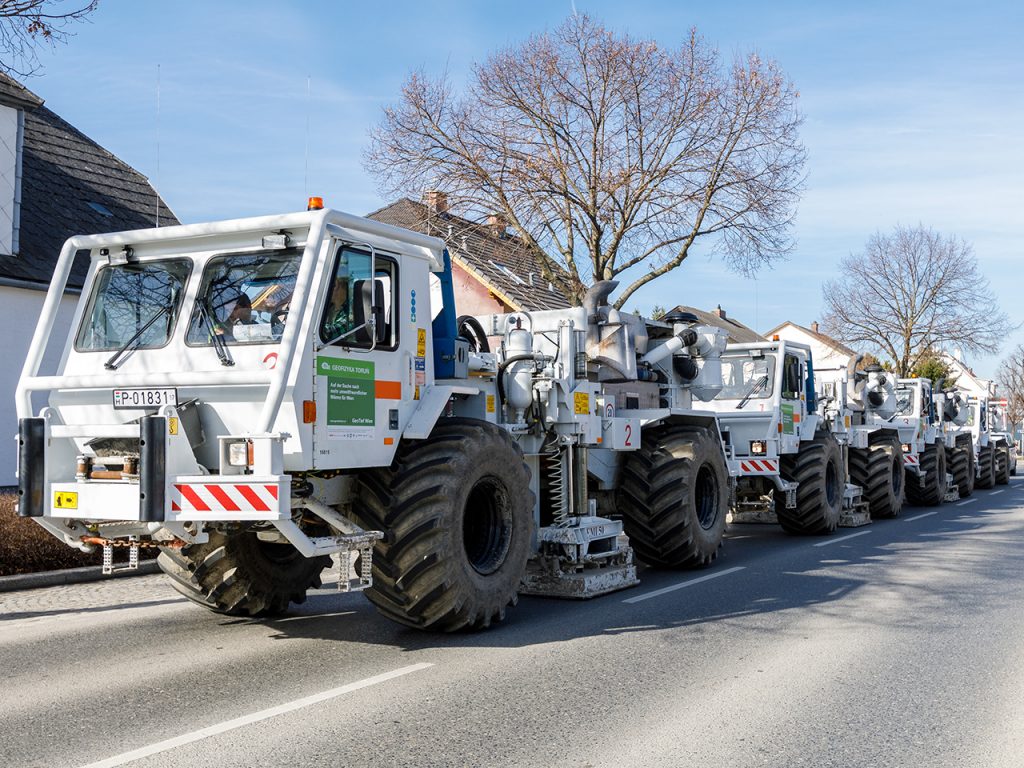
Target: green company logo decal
column 787, row 419
column 351, row 399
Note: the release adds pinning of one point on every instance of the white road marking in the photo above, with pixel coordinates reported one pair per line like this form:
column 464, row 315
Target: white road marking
column 81, row 614
column 993, row 493
column 255, row 717
column 841, row 538
column 965, row 501
column 684, row 585
column 918, row 517
column 312, row 616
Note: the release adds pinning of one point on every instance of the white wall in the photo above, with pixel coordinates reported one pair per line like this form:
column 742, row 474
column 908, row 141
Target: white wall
column 828, row 362
column 19, row 309
column 967, row 381
column 8, row 175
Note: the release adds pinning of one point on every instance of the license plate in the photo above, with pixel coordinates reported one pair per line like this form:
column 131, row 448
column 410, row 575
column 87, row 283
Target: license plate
column 145, row 398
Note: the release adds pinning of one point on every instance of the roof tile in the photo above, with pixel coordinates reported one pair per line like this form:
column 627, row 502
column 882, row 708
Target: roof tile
column 63, row 170
column 476, row 247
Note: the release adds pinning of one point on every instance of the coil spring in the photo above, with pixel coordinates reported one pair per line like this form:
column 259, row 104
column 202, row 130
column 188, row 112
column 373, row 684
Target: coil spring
column 555, row 468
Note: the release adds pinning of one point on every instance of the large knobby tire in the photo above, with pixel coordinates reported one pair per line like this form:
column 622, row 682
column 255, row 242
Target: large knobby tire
column 960, row 460
column 986, row 467
column 457, row 515
column 237, row 574
column 674, row 495
column 933, row 465
column 878, row 470
column 1003, row 464
column 818, row 471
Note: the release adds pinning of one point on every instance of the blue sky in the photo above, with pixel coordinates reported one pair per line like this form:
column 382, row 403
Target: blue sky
column 914, row 114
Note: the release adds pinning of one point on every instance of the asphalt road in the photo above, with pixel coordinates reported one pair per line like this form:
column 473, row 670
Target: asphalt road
column 899, row 644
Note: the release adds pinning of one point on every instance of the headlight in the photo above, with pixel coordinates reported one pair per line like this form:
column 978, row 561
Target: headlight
column 240, row 453
column 905, row 447
column 758, row 447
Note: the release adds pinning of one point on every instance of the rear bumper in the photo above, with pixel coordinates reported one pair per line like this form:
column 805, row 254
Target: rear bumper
column 187, row 499
column 166, row 489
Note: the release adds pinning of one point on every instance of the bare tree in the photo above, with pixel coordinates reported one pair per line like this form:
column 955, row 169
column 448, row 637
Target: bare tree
column 1010, row 378
column 606, row 153
column 27, row 24
column 910, row 292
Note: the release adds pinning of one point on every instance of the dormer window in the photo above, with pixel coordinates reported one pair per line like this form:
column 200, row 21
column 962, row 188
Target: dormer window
column 102, row 210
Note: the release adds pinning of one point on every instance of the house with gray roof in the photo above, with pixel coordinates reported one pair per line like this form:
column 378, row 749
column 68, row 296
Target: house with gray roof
column 831, row 357
column 493, row 270
column 55, row 182
column 738, row 332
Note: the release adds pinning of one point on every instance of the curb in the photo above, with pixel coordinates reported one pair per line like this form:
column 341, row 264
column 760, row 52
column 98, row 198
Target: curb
column 70, row 576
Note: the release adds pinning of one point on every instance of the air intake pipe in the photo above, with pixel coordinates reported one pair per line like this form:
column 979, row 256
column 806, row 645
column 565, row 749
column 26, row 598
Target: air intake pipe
column 595, row 298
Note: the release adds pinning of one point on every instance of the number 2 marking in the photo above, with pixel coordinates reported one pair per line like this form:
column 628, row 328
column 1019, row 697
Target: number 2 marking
column 629, row 434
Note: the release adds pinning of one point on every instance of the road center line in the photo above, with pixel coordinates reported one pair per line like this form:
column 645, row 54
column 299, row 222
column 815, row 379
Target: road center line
column 683, row 585
column 965, row 501
column 841, row 538
column 918, row 517
column 255, row 717
column 993, row 493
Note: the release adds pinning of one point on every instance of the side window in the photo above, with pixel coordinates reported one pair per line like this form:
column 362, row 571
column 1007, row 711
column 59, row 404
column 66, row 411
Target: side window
column 791, row 384
column 353, row 296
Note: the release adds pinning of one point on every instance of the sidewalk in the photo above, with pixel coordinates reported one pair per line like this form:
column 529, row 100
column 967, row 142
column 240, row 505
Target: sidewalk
column 70, row 576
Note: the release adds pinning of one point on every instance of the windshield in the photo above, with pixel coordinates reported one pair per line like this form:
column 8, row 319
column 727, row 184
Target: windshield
column 244, row 298
column 740, row 374
column 126, row 298
column 904, row 401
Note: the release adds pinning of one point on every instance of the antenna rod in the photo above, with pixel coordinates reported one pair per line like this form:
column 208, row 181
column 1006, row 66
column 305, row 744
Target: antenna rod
column 305, row 172
column 157, row 190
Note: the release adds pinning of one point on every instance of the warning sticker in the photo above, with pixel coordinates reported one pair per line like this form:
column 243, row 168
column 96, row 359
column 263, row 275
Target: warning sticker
column 65, row 500
column 581, row 403
column 421, row 342
column 490, row 403
column 351, row 399
column 172, row 425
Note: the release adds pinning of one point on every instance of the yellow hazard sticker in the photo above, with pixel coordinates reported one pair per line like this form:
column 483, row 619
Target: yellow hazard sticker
column 490, row 403
column 421, row 342
column 172, row 425
column 65, row 500
column 581, row 403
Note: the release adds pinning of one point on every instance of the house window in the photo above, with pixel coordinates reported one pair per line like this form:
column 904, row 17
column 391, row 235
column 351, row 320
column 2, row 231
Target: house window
column 102, row 210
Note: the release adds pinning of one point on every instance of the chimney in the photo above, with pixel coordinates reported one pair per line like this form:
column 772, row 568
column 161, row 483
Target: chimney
column 719, row 312
column 496, row 223
column 436, row 201
column 814, row 326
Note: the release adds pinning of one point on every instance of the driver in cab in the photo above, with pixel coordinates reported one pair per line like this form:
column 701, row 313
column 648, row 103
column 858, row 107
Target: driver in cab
column 338, row 312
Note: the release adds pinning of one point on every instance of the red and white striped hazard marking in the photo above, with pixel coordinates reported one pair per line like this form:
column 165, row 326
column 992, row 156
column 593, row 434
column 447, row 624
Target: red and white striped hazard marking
column 910, row 460
column 759, row 466
column 224, row 497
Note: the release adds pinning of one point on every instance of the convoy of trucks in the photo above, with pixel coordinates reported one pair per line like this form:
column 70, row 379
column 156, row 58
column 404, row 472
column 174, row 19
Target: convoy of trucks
column 254, row 397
